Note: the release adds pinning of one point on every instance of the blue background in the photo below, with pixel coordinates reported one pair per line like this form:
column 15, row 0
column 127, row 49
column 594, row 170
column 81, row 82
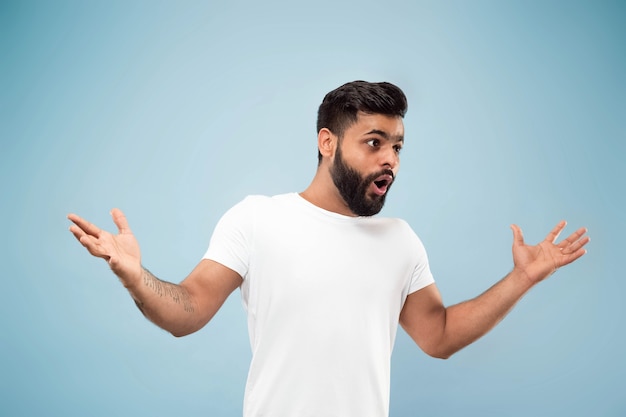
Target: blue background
column 174, row 111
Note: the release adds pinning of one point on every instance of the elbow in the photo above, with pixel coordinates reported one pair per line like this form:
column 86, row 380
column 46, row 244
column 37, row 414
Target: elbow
column 440, row 355
column 182, row 331
column 439, row 351
column 186, row 328
column 178, row 333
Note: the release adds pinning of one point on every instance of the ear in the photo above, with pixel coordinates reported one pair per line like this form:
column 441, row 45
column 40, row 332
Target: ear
column 326, row 142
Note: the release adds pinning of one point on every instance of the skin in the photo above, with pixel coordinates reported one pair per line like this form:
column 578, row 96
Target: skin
column 365, row 151
column 181, row 309
column 370, row 145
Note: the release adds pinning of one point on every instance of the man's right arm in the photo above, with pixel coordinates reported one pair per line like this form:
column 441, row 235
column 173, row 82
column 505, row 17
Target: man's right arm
column 185, row 308
column 180, row 309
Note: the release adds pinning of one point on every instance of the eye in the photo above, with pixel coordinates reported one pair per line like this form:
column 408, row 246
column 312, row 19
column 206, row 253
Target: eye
column 397, row 148
column 374, row 143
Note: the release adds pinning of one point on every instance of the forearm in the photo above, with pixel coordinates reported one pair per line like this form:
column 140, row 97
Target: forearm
column 180, row 309
column 466, row 322
column 168, row 305
column 442, row 331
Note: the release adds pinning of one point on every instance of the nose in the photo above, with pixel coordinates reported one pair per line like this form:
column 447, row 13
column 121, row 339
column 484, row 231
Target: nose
column 389, row 157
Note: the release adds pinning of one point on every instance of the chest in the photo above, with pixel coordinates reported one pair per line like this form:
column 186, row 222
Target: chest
column 334, row 261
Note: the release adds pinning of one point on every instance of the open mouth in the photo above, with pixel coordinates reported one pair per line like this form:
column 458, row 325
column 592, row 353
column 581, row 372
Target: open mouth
column 382, row 183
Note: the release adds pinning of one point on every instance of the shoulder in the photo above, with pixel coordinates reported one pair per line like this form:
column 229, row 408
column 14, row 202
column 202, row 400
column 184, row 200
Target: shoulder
column 265, row 199
column 393, row 224
column 253, row 200
column 259, row 201
column 257, row 204
column 401, row 231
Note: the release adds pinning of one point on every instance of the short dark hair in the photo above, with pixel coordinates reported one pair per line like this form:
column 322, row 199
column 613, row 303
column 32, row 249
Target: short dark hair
column 339, row 109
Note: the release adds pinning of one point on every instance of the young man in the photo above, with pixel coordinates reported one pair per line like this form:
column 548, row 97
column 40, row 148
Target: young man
column 325, row 282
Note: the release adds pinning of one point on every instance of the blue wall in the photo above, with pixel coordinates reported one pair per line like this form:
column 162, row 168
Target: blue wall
column 174, row 111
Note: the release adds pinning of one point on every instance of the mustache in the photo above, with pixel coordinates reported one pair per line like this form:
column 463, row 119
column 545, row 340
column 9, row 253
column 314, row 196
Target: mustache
column 375, row 175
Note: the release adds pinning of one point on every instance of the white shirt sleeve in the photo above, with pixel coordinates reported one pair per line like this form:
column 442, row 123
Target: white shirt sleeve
column 230, row 243
column 422, row 276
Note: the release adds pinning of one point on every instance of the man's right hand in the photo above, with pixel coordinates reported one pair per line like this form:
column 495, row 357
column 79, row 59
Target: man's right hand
column 121, row 251
column 180, row 309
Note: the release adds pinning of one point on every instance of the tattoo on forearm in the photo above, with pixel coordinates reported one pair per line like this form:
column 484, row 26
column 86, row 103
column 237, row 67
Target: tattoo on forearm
column 167, row 289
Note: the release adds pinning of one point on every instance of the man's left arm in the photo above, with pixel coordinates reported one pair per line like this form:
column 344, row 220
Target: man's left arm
column 441, row 331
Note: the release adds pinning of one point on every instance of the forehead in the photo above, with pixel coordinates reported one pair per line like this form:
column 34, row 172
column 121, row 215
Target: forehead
column 366, row 123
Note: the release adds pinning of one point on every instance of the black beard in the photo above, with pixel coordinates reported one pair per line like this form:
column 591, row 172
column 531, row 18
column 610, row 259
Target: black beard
column 353, row 187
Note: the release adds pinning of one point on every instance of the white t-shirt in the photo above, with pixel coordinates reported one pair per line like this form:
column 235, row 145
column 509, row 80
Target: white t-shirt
column 323, row 293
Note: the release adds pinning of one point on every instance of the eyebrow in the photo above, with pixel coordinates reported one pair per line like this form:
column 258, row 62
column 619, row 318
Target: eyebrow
column 385, row 135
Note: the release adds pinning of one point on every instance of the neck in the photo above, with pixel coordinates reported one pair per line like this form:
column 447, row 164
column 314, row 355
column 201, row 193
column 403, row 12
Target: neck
column 323, row 193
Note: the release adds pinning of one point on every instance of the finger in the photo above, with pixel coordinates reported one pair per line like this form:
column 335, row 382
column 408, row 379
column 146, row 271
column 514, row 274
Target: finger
column 87, row 227
column 77, row 232
column 518, row 236
column 120, row 221
column 576, row 245
column 93, row 246
column 554, row 233
column 566, row 245
column 573, row 256
column 573, row 237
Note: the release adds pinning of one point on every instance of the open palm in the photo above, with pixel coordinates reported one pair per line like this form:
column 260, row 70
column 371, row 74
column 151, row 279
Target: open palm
column 121, row 251
column 540, row 261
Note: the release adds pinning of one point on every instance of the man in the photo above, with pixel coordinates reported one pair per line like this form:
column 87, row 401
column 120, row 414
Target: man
column 325, row 282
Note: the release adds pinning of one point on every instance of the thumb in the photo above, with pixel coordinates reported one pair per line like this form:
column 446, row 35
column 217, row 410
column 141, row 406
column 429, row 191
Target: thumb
column 518, row 237
column 120, row 221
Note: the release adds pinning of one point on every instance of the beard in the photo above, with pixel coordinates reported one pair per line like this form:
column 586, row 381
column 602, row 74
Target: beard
column 353, row 187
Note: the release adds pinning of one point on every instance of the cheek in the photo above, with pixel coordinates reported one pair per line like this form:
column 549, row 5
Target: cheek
column 359, row 158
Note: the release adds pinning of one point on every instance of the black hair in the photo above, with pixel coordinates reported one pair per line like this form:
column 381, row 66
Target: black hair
column 339, row 109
